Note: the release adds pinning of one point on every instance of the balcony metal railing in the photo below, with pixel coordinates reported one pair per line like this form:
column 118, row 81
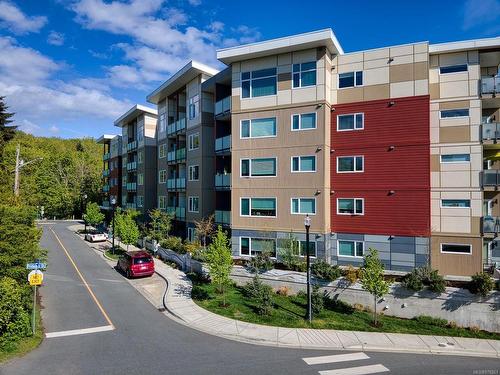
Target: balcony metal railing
column 106, row 156
column 105, row 188
column 491, row 224
column 223, row 181
column 223, row 106
column 179, row 212
column 223, row 217
column 223, row 144
column 490, row 177
column 132, row 166
column 176, row 126
column 490, row 85
column 490, row 131
column 106, row 172
column 132, row 146
column 131, row 186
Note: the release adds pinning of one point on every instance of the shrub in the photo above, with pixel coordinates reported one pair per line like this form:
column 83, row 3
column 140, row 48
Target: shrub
column 283, row 291
column 420, row 277
column 198, row 293
column 358, row 307
column 413, row 281
column 322, row 270
column 252, row 288
column 452, row 324
column 351, row 274
column 301, row 294
column 300, row 266
column 264, row 300
column 429, row 320
column 317, row 300
column 481, row 284
column 261, row 262
column 474, row 329
column 341, row 306
column 173, row 243
column 436, row 282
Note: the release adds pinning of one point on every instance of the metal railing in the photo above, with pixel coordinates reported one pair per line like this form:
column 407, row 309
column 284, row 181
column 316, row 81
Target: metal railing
column 223, row 217
column 223, row 143
column 106, row 172
column 131, row 186
column 223, row 105
column 490, row 85
column 490, row 177
column 132, row 166
column 223, row 181
column 491, row 224
column 106, row 156
column 132, row 146
column 490, row 131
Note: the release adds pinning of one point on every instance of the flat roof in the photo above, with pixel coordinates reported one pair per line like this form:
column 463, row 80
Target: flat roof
column 464, row 45
column 134, row 112
column 320, row 38
column 179, row 79
column 105, row 138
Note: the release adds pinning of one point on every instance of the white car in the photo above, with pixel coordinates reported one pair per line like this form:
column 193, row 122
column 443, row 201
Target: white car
column 96, row 237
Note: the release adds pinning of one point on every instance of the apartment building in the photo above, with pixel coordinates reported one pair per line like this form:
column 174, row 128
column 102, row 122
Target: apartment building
column 112, row 169
column 394, row 148
column 138, row 159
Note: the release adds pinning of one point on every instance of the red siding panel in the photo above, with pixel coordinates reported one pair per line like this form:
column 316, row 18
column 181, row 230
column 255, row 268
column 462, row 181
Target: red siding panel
column 395, row 145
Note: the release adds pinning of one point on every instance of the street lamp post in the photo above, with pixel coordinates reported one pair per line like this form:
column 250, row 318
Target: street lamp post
column 84, row 208
column 307, row 224
column 113, row 203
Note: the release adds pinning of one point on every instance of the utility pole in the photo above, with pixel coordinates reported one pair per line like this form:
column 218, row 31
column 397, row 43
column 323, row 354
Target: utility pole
column 16, row 171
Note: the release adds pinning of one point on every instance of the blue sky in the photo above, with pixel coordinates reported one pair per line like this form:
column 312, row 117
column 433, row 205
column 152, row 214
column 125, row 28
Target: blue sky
column 70, row 67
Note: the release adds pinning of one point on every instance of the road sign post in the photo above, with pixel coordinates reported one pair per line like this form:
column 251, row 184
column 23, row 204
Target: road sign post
column 35, row 278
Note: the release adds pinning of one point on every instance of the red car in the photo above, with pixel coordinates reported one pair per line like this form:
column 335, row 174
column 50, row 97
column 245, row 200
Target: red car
column 136, row 263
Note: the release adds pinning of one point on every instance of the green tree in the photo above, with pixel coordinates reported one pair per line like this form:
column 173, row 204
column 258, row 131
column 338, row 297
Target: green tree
column 93, row 215
column 219, row 261
column 372, row 279
column 126, row 228
column 6, row 132
column 289, row 251
column 204, row 229
column 160, row 225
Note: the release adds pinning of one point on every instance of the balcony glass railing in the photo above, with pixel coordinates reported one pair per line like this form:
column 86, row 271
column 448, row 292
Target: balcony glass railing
column 176, row 183
column 490, row 131
column 131, row 186
column 131, row 206
column 176, row 126
column 491, row 177
column 171, row 156
column 223, row 105
column 132, row 146
column 491, row 224
column 223, row 144
column 106, row 172
column 179, row 212
column 180, row 154
column 105, row 188
column 223, row 217
column 223, row 181
column 490, row 85
column 106, row 156
column 132, row 166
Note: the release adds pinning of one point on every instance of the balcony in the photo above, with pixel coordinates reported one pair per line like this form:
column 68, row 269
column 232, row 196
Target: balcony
column 490, row 85
column 223, row 144
column 105, row 188
column 130, row 206
column 176, row 126
column 223, row 106
column 490, row 132
column 176, row 184
column 176, row 155
column 222, row 217
column 132, row 166
column 131, row 186
column 106, row 204
column 131, row 146
column 106, row 173
column 223, row 181
column 491, row 224
column 490, row 178
column 106, row 156
column 179, row 212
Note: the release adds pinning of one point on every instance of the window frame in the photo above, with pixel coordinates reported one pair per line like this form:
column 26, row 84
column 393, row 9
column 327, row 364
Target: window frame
column 351, row 256
column 193, row 231
column 251, row 79
column 306, row 213
column 355, row 84
column 250, row 167
column 353, row 156
column 354, row 213
column 454, row 207
column 250, row 246
column 140, row 201
column 190, row 141
column 160, row 199
column 300, row 121
column 195, row 104
column 191, row 199
column 301, row 156
column 250, row 207
column 191, row 168
column 250, row 129
column 453, row 117
column 354, row 128
column 310, row 242
column 453, row 162
column 162, row 120
column 160, row 175
column 165, row 151
column 450, row 66
column 455, row 244
column 300, row 71
column 140, row 181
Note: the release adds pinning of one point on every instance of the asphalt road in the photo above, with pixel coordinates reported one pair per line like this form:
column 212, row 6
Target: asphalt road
column 145, row 341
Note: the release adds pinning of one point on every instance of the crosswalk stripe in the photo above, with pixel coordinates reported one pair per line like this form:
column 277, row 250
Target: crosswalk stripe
column 360, row 370
column 335, row 358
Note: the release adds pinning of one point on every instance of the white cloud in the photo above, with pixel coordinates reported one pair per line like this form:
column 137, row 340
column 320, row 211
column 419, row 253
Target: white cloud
column 12, row 18
column 481, row 13
column 54, row 129
column 55, row 38
column 194, row 3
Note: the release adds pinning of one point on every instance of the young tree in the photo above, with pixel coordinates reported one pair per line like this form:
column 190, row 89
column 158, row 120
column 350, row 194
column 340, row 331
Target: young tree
column 160, row 225
column 126, row 228
column 219, row 261
column 289, row 251
column 204, row 229
column 6, row 132
column 372, row 279
column 93, row 215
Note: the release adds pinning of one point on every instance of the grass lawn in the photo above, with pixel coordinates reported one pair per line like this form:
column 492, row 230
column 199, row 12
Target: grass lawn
column 117, row 253
column 26, row 344
column 289, row 311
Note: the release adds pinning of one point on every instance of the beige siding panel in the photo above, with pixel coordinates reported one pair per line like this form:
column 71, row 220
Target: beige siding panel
column 350, row 95
column 422, row 87
column 454, row 134
column 434, row 91
column 456, row 264
column 454, row 89
column 376, row 92
column 401, row 73
column 455, row 104
column 402, row 89
column 435, row 163
column 284, row 81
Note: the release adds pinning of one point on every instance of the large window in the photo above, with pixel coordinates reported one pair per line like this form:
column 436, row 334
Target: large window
column 453, row 69
column 350, row 206
column 353, row 121
column 258, row 128
column 163, row 122
column 304, row 121
column 194, row 106
column 194, row 172
column 162, row 151
column 258, row 207
column 351, row 79
column 254, row 246
column 258, row 83
column 305, row 206
column 162, row 202
column 454, row 248
column 140, row 201
column 350, row 248
column 140, row 179
column 303, row 247
column 140, row 133
column 455, row 203
column 191, row 234
column 455, row 158
column 162, row 176
column 193, row 204
column 139, row 157
column 347, row 164
column 262, row 167
column 193, row 141
column 304, row 74
column 451, row 113
column 304, row 163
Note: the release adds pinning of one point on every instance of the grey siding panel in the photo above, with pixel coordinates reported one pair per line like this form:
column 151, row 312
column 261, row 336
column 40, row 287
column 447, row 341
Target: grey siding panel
column 352, row 237
column 421, row 260
column 380, row 246
column 422, row 241
column 402, row 268
column 375, row 238
column 408, row 248
column 422, row 249
column 402, row 257
column 352, row 261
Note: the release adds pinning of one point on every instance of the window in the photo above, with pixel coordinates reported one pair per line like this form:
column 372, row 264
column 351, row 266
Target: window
column 350, row 248
column 350, row 206
column 303, row 247
column 194, row 172
column 139, row 157
column 304, row 121
column 304, row 163
column 453, row 69
column 258, row 207
column 191, row 236
column 262, row 167
column 258, row 128
column 163, row 122
column 193, row 141
column 162, row 151
column 304, row 74
column 355, row 121
column 193, row 204
column 350, row 79
column 140, row 133
column 140, row 179
column 455, row 158
column 347, row 164
column 162, row 176
column 455, row 248
column 140, row 201
column 162, row 202
column 450, row 113
column 258, row 83
column 455, row 203
column 305, row 206
column 194, row 106
column 253, row 246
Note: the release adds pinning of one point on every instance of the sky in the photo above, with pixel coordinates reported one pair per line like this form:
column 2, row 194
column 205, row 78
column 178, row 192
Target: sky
column 69, row 68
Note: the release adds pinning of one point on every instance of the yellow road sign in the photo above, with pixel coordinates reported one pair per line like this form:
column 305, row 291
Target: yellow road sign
column 35, row 277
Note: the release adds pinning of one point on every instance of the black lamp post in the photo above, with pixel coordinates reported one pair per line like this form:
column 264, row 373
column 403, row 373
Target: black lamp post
column 307, row 224
column 113, row 204
column 84, row 209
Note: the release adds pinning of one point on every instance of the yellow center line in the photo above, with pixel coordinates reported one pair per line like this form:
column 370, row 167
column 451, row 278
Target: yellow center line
column 84, row 281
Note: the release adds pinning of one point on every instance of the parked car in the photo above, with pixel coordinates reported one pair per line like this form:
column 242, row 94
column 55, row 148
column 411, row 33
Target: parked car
column 96, row 236
column 136, row 263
